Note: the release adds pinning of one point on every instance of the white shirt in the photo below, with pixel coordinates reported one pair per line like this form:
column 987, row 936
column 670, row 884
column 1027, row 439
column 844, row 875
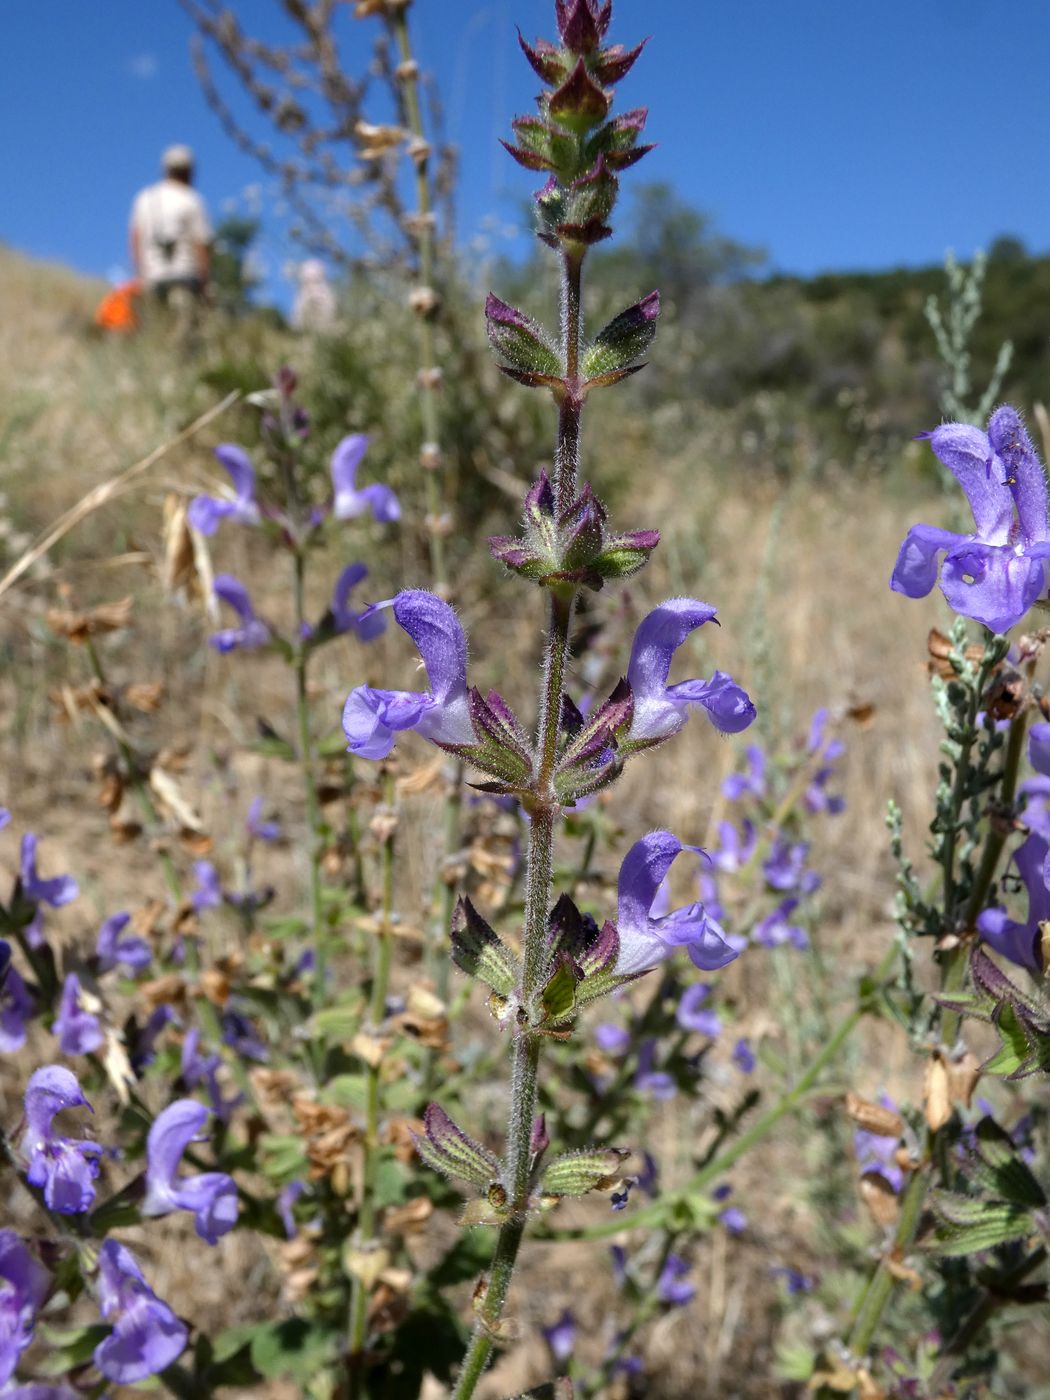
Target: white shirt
column 170, row 220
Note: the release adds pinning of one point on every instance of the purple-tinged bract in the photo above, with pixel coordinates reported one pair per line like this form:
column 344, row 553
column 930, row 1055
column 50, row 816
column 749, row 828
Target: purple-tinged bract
column 78, row 1029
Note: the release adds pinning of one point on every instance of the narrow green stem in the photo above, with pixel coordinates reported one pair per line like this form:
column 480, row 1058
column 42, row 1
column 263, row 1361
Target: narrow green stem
column 306, row 766
column 761, row 1128
column 366, row 1224
column 427, row 304
column 877, row 1293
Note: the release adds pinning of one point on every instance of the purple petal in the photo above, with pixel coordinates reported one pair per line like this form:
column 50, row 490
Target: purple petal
column 641, row 874
column 373, row 718
column 48, row 1091
column 171, row 1133
column 441, row 641
column 59, row 890
column 346, row 459
column 146, row 1336
column 729, row 707
column 24, row 1283
column 112, row 949
column 967, row 453
column 1039, row 748
column 1025, row 477
column 235, row 595
column 78, row 1031
column 992, row 584
column 658, row 637
column 239, row 465
column 382, row 502
column 205, row 513
column 915, row 571
column 713, row 948
column 212, row 1198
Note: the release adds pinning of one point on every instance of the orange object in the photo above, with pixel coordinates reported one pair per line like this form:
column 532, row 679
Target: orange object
column 116, row 310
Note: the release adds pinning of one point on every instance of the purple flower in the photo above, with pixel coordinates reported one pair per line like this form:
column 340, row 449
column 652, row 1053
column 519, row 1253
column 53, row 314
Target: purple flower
column 77, row 1029
column 211, row 1196
column 16, row 1005
column 285, row 1201
column 671, row 1287
column 749, row 784
column 735, row 848
column 744, row 1057
column 5, row 818
column 197, row 1069
column 206, row 512
column 1018, row 942
column 692, row 1013
column 619, row 1264
column 794, row 1281
column 783, row 866
column 59, row 890
column 560, row 1336
column 349, row 501
column 111, row 949
column 660, row 710
column 241, row 1035
column 734, row 1219
column 63, row 1168
column 995, row 574
column 208, row 891
column 23, row 1287
column 373, row 718
column 252, row 632
column 146, row 1336
column 646, row 941
column 774, row 930
column 654, row 1083
column 367, row 624
column 258, row 829
column 614, row 1040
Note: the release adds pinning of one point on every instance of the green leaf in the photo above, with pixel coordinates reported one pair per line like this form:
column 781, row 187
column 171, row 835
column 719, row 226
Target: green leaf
column 1015, row 1050
column 293, row 1348
column 281, row 1157
column 968, row 1225
column 558, row 997
column 71, row 1346
column 623, row 340
column 478, row 950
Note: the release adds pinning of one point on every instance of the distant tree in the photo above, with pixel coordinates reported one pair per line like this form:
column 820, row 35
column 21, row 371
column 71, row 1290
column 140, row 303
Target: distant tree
column 1008, row 248
column 231, row 264
column 676, row 247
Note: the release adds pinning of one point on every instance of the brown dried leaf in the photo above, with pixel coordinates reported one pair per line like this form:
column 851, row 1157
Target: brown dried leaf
column 92, row 622
column 937, row 1094
column 409, row 1219
column 879, row 1198
column 167, row 792
column 144, row 696
column 215, row 985
column 873, row 1117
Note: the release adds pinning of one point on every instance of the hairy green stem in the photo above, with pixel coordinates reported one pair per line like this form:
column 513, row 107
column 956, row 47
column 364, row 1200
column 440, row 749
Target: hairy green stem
column 306, row 766
column 545, row 815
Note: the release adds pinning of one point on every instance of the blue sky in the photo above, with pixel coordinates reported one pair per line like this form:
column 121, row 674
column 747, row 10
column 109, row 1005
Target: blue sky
column 833, row 133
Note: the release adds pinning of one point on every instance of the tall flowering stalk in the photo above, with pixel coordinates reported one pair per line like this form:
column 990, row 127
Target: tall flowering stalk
column 566, row 960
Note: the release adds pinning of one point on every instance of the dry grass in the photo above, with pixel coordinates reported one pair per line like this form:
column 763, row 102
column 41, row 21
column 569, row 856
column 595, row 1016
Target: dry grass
column 799, row 574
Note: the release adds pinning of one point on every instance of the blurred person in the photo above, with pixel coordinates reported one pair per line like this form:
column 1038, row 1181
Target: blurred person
column 315, row 305
column 170, row 236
